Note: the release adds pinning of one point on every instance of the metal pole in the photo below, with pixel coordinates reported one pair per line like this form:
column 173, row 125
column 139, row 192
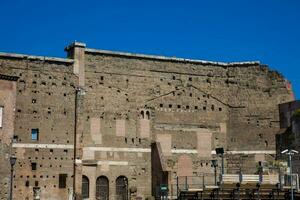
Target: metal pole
column 177, row 186
column 290, row 152
column 222, row 164
column 292, row 191
column 11, row 182
column 215, row 175
column 186, row 183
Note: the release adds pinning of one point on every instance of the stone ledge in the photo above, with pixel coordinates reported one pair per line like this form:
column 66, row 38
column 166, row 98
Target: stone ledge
column 171, row 59
column 42, row 58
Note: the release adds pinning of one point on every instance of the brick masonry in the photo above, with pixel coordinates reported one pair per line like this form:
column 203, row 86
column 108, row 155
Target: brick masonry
column 109, row 107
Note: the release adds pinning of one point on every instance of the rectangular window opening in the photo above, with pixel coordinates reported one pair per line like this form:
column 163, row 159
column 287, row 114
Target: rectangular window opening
column 62, row 180
column 35, row 134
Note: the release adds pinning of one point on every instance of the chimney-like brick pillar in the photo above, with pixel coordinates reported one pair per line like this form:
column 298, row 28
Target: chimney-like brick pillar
column 76, row 51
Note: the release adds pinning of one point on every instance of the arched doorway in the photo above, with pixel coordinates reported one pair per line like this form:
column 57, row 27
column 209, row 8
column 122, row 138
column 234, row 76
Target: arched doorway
column 85, row 187
column 122, row 188
column 102, row 188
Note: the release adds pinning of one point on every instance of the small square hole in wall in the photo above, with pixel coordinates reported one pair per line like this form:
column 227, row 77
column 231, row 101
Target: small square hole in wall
column 15, row 138
column 170, row 105
column 178, row 106
column 33, row 166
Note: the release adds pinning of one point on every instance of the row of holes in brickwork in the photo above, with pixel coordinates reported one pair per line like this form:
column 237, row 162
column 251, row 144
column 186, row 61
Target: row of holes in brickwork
column 49, row 111
column 173, row 78
column 258, row 123
column 44, row 83
column 17, row 139
column 190, row 94
column 133, row 140
column 48, row 93
column 187, row 107
column 62, row 180
column 266, row 143
column 36, row 75
column 34, row 164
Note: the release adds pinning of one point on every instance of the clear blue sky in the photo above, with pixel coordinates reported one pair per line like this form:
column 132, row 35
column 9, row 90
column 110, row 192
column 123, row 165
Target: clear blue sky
column 241, row 30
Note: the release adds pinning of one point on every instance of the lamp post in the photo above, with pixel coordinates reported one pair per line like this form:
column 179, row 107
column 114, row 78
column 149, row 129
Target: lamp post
column 290, row 152
column 215, row 165
column 12, row 161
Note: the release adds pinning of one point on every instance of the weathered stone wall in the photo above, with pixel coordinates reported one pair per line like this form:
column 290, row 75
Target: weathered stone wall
column 115, row 105
column 45, row 101
column 7, row 103
column 190, row 107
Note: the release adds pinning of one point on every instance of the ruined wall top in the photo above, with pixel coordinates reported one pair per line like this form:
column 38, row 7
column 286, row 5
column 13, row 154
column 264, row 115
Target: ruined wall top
column 170, row 59
column 41, row 58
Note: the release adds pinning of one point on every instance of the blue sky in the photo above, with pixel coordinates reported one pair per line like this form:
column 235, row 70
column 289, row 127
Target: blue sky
column 232, row 30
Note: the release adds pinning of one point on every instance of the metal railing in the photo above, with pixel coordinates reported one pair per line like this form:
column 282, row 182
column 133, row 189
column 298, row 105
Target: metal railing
column 205, row 181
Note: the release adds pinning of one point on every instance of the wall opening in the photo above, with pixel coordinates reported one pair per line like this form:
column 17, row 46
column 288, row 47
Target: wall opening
column 33, row 166
column 35, row 134
column 85, row 187
column 62, row 180
column 142, row 114
column 122, row 188
column 102, row 188
column 147, row 114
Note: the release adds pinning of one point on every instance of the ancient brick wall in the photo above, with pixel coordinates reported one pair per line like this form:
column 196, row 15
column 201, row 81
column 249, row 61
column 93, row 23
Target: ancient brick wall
column 115, row 105
column 45, row 102
column 7, row 117
column 192, row 107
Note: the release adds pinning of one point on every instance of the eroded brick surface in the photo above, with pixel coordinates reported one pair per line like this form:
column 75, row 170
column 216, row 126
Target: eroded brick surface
column 128, row 102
